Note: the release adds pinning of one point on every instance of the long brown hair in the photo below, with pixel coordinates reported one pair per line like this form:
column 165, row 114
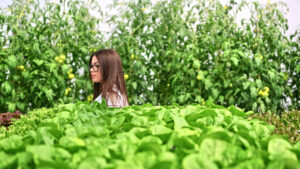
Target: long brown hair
column 112, row 74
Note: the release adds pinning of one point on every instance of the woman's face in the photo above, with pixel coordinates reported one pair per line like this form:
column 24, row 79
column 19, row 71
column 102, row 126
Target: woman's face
column 95, row 70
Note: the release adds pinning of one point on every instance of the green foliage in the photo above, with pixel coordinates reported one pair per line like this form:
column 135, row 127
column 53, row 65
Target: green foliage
column 192, row 51
column 179, row 51
column 286, row 124
column 294, row 72
column 84, row 135
column 40, row 46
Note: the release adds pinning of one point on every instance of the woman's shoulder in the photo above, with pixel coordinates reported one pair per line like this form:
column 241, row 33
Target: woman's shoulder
column 118, row 100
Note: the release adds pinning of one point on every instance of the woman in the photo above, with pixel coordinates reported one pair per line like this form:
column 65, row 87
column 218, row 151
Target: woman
column 107, row 75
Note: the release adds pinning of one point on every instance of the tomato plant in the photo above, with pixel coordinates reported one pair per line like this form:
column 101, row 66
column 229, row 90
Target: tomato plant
column 188, row 51
column 172, row 52
column 44, row 53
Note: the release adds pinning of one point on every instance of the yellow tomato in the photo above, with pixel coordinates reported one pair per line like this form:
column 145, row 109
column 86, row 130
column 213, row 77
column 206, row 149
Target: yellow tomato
column 90, row 98
column 70, row 71
column 126, row 76
column 66, row 92
column 266, row 89
column 21, row 67
column 60, row 61
column 132, row 56
column 198, row 77
column 62, row 57
column 71, row 76
column 265, row 93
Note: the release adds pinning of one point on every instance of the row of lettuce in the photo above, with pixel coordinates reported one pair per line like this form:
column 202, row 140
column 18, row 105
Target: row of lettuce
column 83, row 135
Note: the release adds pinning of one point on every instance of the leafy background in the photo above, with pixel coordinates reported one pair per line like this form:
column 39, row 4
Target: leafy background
column 178, row 51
